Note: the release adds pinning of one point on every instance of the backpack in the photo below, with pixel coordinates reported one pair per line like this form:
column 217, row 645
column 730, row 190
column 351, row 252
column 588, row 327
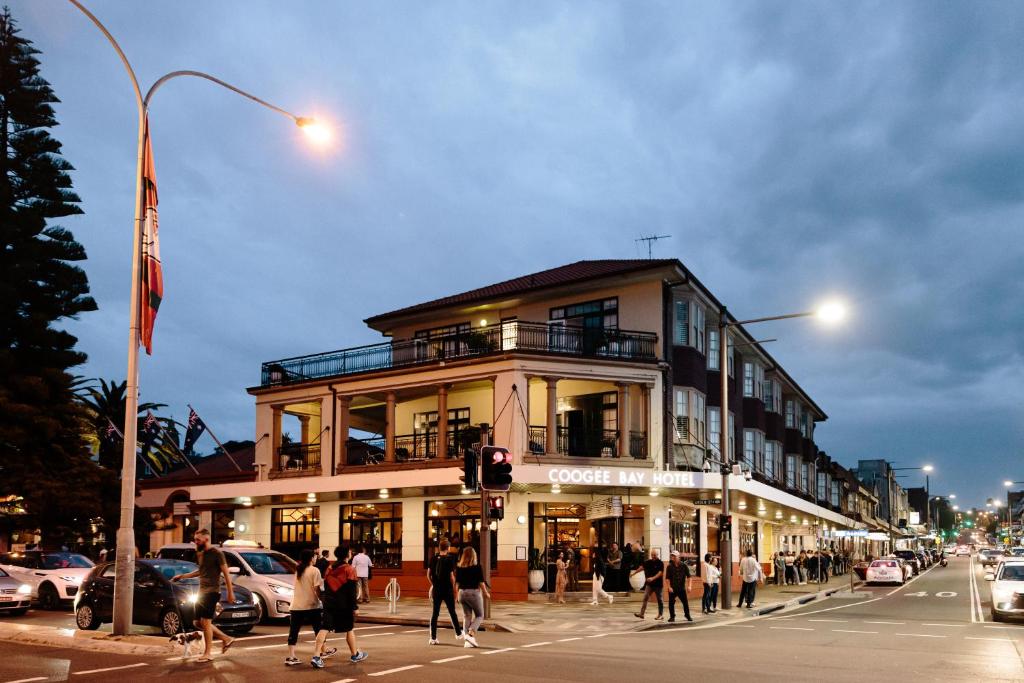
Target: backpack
column 437, row 571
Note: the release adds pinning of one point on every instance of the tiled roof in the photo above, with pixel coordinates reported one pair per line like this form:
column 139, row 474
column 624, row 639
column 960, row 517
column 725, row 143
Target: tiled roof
column 215, row 467
column 562, row 275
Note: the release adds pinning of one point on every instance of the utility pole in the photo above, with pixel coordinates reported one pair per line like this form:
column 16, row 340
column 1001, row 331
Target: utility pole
column 485, row 528
column 725, row 537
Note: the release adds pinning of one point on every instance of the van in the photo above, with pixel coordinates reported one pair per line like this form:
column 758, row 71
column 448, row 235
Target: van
column 268, row 574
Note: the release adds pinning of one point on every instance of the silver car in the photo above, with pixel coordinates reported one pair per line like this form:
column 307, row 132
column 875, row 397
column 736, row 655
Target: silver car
column 15, row 596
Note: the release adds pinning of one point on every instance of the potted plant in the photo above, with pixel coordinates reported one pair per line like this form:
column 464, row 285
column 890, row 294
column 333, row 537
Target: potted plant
column 535, row 576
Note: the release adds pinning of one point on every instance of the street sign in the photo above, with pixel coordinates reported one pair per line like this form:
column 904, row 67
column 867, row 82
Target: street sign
column 708, row 501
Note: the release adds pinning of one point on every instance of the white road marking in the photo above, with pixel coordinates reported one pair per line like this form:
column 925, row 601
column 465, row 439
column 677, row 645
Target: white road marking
column 394, row 671
column 451, row 659
column 844, row 630
column 950, row 625
column 740, row 626
column 998, row 640
column 566, row 640
column 374, row 635
column 921, row 635
column 110, row 668
column 977, row 595
column 790, row 628
column 546, row 642
column 1008, row 628
column 891, row 623
column 344, row 680
column 29, row 680
column 599, row 635
column 830, row 621
column 494, row 652
column 415, row 630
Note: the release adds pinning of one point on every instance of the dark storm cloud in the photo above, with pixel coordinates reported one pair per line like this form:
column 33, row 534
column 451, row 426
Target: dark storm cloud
column 791, row 149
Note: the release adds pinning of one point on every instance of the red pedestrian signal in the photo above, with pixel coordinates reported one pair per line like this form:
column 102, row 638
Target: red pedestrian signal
column 496, row 505
column 495, row 468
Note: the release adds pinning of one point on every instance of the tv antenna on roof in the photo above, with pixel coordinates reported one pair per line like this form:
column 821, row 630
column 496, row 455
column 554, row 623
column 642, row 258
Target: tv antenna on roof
column 651, row 239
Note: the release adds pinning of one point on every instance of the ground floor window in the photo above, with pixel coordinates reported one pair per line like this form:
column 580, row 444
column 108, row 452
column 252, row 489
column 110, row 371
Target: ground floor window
column 223, row 528
column 376, row 527
column 459, row 522
column 748, row 538
column 294, row 529
column 683, row 536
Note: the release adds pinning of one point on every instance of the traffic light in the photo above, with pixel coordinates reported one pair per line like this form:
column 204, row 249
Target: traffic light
column 724, row 523
column 495, row 468
column 469, row 464
column 496, row 505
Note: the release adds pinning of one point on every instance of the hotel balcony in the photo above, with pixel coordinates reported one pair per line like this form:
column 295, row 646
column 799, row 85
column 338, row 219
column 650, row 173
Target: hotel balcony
column 507, row 337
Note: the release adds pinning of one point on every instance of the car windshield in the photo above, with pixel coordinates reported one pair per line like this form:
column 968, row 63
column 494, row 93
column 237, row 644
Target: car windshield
column 170, row 568
column 66, row 561
column 269, row 563
column 1012, row 572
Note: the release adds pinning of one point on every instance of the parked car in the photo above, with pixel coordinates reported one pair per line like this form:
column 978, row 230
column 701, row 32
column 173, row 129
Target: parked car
column 1015, row 552
column 158, row 601
column 990, row 556
column 15, row 595
column 861, row 569
column 269, row 574
column 1007, row 589
column 911, row 558
column 926, row 560
column 54, row 577
column 886, row 570
column 963, row 551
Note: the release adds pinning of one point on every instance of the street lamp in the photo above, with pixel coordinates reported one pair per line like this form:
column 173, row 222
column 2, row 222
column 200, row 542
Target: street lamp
column 125, row 557
column 831, row 312
column 927, row 469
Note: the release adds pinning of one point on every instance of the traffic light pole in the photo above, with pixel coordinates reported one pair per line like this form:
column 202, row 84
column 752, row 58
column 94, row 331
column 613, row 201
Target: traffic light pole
column 485, row 529
column 724, row 434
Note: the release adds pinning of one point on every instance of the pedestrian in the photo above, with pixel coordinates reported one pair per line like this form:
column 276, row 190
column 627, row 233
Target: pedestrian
column 599, row 577
column 561, row 578
column 323, row 563
column 103, row 555
column 341, row 604
column 750, row 573
column 469, row 578
column 614, row 580
column 824, row 562
column 716, row 562
column 813, row 567
column 306, row 609
column 678, row 578
column 212, row 566
column 442, row 590
column 710, row 574
column 801, row 567
column 791, row 573
column 362, row 563
column 654, row 573
column 780, row 569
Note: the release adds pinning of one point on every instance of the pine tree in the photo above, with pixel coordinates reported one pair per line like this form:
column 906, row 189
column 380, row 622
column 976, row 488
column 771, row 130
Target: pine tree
column 43, row 458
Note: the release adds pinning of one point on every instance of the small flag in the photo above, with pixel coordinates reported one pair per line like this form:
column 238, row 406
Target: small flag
column 152, row 279
column 193, row 431
column 150, row 432
column 111, row 434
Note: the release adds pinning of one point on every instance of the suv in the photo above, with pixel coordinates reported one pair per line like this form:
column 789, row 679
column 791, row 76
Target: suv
column 269, row 574
column 1007, row 589
column 54, row 577
column 911, row 558
column 990, row 556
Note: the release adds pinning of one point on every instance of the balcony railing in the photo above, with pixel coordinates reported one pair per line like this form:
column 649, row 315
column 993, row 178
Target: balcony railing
column 593, row 443
column 416, row 447
column 296, row 459
column 522, row 337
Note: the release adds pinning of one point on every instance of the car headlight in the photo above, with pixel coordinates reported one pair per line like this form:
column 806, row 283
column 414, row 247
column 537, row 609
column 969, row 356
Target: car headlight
column 256, row 598
column 24, row 589
column 193, row 598
column 282, row 590
column 77, row 580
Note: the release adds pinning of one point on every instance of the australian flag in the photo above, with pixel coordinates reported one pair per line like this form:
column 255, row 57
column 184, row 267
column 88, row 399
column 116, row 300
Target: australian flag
column 193, row 431
column 111, row 434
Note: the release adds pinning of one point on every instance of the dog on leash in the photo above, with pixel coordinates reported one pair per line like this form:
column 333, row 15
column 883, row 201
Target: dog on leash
column 185, row 640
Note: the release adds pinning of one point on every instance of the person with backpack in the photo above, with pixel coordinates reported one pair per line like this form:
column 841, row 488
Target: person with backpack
column 307, row 609
column 442, row 590
column 340, row 603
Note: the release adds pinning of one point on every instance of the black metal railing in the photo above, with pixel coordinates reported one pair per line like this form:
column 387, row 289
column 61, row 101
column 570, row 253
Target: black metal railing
column 638, row 445
column 592, row 443
column 538, row 440
column 416, row 447
column 296, row 459
column 505, row 337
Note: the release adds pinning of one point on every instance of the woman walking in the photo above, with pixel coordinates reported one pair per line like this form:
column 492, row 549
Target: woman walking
column 561, row 578
column 708, row 574
column 716, row 564
column 307, row 609
column 597, row 583
column 469, row 577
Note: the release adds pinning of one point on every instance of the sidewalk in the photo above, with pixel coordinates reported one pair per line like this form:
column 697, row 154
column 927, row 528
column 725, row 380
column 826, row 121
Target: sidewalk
column 579, row 616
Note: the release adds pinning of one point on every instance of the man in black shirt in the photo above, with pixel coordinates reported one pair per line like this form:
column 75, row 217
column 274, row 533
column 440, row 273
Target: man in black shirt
column 654, row 571
column 442, row 589
column 678, row 576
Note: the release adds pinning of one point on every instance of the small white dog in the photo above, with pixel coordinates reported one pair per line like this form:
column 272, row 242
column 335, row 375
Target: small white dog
column 185, row 640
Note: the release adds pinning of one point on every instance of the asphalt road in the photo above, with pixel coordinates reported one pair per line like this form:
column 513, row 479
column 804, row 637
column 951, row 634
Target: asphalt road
column 937, row 627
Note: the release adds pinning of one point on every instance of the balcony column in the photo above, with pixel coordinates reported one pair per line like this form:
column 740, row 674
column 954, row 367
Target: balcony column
column 275, row 439
column 551, row 445
column 622, row 418
column 389, row 427
column 303, row 428
column 341, row 436
column 442, row 421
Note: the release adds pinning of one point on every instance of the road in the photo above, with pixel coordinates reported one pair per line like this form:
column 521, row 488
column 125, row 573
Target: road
column 935, row 628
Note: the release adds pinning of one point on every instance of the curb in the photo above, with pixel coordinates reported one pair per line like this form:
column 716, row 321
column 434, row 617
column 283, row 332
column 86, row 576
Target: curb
column 425, row 623
column 796, row 602
column 86, row 640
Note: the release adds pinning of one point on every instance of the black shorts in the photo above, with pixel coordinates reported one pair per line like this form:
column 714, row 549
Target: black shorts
column 206, row 605
column 340, row 620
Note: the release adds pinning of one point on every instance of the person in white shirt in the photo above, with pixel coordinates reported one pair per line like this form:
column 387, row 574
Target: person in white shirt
column 711, row 575
column 362, row 563
column 751, row 573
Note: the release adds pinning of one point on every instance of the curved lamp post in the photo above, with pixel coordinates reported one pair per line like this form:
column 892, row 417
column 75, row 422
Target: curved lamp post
column 125, row 557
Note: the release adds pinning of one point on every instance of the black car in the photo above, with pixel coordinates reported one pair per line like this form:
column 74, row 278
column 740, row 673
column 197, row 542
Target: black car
column 911, row 558
column 158, row 602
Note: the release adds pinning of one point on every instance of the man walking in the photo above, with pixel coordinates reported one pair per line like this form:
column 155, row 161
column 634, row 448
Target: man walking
column 678, row 576
column 212, row 566
column 362, row 564
column 323, row 563
column 780, row 568
column 340, row 606
column 654, row 571
column 614, row 581
column 750, row 573
column 442, row 590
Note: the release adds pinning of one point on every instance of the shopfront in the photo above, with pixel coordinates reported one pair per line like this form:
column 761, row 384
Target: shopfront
column 294, row 529
column 458, row 521
column 377, row 527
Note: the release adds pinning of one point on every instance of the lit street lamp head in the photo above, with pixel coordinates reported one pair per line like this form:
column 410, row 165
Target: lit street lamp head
column 314, row 130
column 1007, row 483
column 831, row 312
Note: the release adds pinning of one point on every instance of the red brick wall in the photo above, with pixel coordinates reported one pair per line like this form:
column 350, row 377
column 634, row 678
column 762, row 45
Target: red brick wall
column 507, row 583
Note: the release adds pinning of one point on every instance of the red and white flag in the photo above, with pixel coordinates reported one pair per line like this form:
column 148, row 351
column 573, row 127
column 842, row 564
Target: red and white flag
column 152, row 290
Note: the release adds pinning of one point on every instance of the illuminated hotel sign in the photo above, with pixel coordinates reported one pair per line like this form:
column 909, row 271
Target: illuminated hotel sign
column 624, row 476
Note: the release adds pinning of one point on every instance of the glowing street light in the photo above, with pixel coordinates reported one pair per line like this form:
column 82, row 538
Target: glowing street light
column 831, row 312
column 317, row 132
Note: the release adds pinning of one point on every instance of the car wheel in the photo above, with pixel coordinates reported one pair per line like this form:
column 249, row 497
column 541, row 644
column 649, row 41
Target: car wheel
column 170, row 622
column 85, row 618
column 261, row 612
column 995, row 615
column 49, row 598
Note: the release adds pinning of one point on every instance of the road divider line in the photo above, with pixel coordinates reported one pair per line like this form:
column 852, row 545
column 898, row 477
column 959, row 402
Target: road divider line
column 394, row 671
column 344, row 680
column 29, row 680
column 545, row 642
column 998, row 640
column 830, row 621
column 1007, row 628
column 845, row 630
column 494, row 652
column 920, row 635
column 109, row 668
column 566, row 640
column 890, row 623
column 599, row 635
column 790, row 628
column 949, row 625
column 451, row 659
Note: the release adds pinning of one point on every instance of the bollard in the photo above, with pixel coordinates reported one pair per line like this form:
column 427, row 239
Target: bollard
column 393, row 592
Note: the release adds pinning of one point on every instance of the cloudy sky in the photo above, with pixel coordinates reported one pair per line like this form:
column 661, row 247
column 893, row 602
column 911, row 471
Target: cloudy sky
column 791, row 150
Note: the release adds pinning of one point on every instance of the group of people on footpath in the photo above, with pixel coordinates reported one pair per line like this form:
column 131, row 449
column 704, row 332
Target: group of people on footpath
column 793, row 569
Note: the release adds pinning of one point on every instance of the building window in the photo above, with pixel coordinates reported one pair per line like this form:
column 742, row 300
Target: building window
column 603, row 313
column 748, row 449
column 791, row 410
column 509, row 333
column 378, row 528
column 682, row 326
column 713, row 349
column 780, row 468
column 294, row 529
column 772, row 396
column 459, row 522
column 791, row 471
column 683, row 536
column 698, row 412
column 698, row 327
column 805, row 483
column 730, row 356
column 682, row 413
column 835, row 493
column 807, row 424
column 748, row 378
column 823, row 486
column 715, row 432
column 769, row 460
column 442, row 342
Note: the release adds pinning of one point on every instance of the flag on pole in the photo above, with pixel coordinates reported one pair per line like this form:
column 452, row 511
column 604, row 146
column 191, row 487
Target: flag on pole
column 194, row 429
column 150, row 432
column 111, row 433
column 152, row 290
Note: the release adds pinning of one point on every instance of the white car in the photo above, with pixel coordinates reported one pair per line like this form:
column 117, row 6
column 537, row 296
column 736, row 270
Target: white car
column 269, row 574
column 53, row 577
column 1007, row 589
column 885, row 571
column 963, row 551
